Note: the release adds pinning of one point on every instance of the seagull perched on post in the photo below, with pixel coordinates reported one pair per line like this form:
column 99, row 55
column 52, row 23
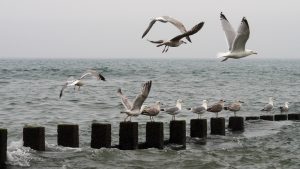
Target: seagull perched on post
column 134, row 109
column 176, row 41
column 200, row 109
column 234, row 107
column 165, row 19
column 236, row 40
column 79, row 83
column 284, row 108
column 151, row 111
column 174, row 110
column 217, row 107
column 268, row 107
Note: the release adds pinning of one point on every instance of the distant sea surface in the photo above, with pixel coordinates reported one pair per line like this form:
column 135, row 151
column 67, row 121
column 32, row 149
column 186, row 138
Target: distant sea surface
column 29, row 95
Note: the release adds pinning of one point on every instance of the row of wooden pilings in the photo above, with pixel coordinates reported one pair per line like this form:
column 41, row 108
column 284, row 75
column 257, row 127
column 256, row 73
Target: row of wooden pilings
column 68, row 134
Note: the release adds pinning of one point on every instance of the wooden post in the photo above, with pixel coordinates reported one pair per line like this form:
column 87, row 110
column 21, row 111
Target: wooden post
column 236, row 123
column 294, row 116
column 34, row 137
column 267, row 117
column 178, row 132
column 198, row 128
column 280, row 117
column 252, row 118
column 101, row 135
column 3, row 147
column 128, row 136
column 68, row 135
column 155, row 135
column 217, row 126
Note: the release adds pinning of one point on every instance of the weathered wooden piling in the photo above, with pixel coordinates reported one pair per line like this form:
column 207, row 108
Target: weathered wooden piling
column 198, row 128
column 34, row 137
column 252, row 118
column 280, row 117
column 3, row 147
column 68, row 135
column 101, row 135
column 294, row 116
column 155, row 135
column 128, row 136
column 236, row 123
column 267, row 117
column 178, row 132
column 217, row 126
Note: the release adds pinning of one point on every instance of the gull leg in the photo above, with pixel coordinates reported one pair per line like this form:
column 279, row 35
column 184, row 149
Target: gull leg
column 126, row 118
column 234, row 113
column 150, row 118
column 164, row 49
column 78, row 88
column 167, row 48
column 224, row 59
column 130, row 118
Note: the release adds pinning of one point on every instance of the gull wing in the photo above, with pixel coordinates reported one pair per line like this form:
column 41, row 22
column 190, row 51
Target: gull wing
column 158, row 41
column 172, row 109
column 126, row 103
column 217, row 107
column 198, row 109
column 62, row 89
column 267, row 107
column 178, row 25
column 242, row 36
column 194, row 30
column 139, row 100
column 228, row 29
column 234, row 107
column 93, row 73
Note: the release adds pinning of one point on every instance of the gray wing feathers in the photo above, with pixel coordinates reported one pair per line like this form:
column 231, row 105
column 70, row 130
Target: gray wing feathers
column 158, row 41
column 228, row 29
column 215, row 108
column 126, row 103
column 194, row 30
column 268, row 107
column 234, row 107
column 198, row 109
column 139, row 100
column 178, row 25
column 149, row 27
column 171, row 110
column 242, row 36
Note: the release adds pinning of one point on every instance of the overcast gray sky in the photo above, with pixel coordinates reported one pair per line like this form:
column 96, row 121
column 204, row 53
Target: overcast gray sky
column 113, row 28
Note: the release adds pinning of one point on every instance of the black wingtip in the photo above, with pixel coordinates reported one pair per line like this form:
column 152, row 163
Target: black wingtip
column 245, row 21
column 119, row 91
column 101, row 77
column 222, row 16
column 60, row 94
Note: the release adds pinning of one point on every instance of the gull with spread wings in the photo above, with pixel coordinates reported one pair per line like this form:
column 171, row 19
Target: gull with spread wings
column 236, row 40
column 176, row 41
column 134, row 109
column 79, row 83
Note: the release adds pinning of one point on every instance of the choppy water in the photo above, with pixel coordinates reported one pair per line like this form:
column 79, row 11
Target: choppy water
column 30, row 89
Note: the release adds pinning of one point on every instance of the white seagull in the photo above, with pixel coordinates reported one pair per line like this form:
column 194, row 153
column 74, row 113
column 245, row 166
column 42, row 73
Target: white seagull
column 268, row 107
column 200, row 109
column 176, row 41
column 236, row 40
column 165, row 19
column 134, row 109
column 174, row 110
column 79, row 83
column 284, row 108
column 151, row 111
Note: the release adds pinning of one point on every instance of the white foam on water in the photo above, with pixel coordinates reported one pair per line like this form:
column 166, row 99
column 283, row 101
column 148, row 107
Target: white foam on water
column 18, row 155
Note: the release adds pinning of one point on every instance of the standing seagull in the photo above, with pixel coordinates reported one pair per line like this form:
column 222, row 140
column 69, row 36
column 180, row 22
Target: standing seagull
column 234, row 107
column 268, row 107
column 200, row 110
column 217, row 107
column 176, row 41
column 134, row 109
column 165, row 19
column 236, row 40
column 152, row 110
column 79, row 82
column 175, row 110
column 284, row 108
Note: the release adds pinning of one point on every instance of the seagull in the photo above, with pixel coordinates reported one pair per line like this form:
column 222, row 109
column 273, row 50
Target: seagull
column 151, row 110
column 217, row 107
column 284, row 108
column 174, row 110
column 176, row 41
column 200, row 110
column 165, row 19
column 234, row 107
column 268, row 107
column 134, row 109
column 235, row 40
column 79, row 83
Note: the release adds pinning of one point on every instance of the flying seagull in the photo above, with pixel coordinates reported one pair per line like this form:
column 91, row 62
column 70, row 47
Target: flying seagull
column 236, row 40
column 134, row 109
column 79, row 83
column 268, row 107
column 174, row 110
column 234, row 107
column 284, row 108
column 200, row 109
column 151, row 111
column 176, row 41
column 217, row 107
column 165, row 19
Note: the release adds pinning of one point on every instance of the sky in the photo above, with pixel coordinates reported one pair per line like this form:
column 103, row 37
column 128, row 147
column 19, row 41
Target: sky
column 113, row 28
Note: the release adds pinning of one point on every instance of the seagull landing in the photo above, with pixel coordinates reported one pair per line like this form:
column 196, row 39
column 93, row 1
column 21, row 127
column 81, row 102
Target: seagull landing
column 176, row 41
column 165, row 19
column 134, row 109
column 236, row 40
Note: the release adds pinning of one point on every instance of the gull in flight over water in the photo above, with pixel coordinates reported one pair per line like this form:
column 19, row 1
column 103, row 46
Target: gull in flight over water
column 284, row 108
column 268, row 107
column 176, row 41
column 135, row 108
column 151, row 111
column 217, row 107
column 234, row 107
column 200, row 109
column 79, row 83
column 165, row 19
column 236, row 40
column 174, row 110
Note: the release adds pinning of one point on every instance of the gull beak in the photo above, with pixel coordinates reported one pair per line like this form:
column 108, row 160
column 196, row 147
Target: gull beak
column 255, row 53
